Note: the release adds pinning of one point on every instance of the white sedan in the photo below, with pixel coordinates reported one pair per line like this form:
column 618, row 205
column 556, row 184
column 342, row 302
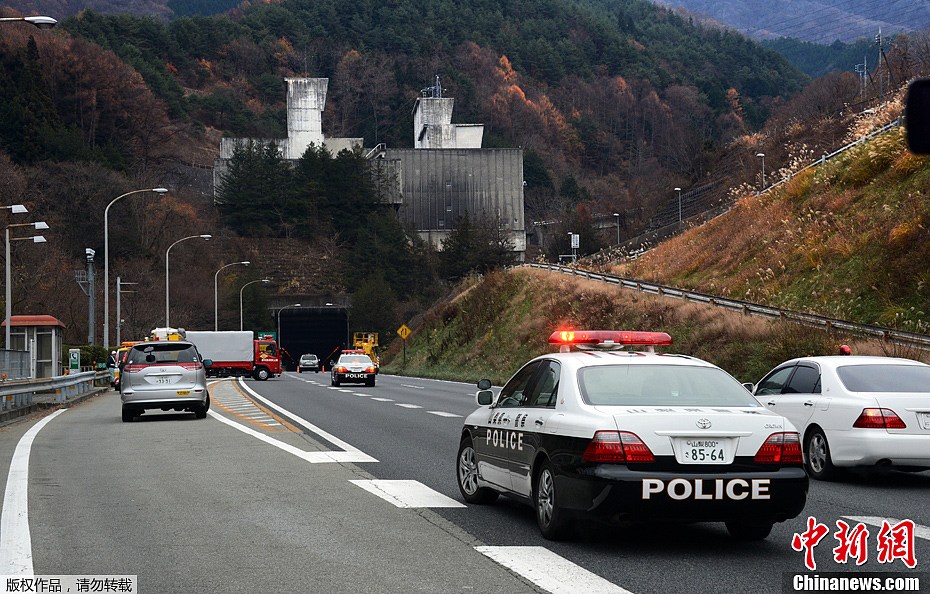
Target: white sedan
column 854, row 411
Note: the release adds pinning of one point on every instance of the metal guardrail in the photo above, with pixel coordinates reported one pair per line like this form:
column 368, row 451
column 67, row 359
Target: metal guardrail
column 887, row 334
column 18, row 393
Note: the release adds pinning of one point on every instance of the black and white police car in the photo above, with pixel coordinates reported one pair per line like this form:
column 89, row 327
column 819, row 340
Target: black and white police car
column 631, row 436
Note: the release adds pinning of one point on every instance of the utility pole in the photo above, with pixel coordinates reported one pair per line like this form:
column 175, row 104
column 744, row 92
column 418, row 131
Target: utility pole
column 90, row 293
column 878, row 69
column 85, row 280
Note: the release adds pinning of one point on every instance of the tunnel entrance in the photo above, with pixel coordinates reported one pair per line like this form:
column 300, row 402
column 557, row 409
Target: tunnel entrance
column 322, row 331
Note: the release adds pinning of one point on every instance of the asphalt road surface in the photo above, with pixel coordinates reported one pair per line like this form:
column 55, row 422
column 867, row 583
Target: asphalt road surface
column 292, row 485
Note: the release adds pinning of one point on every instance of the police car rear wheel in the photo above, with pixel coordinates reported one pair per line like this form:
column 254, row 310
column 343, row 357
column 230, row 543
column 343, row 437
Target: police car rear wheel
column 818, row 461
column 744, row 531
column 550, row 517
column 467, row 470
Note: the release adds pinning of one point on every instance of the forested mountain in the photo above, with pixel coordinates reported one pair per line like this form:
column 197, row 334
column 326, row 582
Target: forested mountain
column 818, row 21
column 613, row 102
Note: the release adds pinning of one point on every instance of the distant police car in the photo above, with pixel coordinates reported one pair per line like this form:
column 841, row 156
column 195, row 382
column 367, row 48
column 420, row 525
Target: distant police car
column 621, row 435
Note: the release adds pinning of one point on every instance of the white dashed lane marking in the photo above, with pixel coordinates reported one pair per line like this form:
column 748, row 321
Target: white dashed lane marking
column 382, row 399
column 439, row 413
column 401, row 404
column 407, row 493
column 920, row 531
column 550, row 571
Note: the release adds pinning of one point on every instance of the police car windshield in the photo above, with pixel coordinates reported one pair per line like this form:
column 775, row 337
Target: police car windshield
column 355, row 359
column 661, row 385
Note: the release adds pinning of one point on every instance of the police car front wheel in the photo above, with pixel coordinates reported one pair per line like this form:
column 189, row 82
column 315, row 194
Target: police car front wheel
column 467, row 470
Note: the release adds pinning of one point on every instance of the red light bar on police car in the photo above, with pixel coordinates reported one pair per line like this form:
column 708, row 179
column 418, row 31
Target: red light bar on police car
column 609, row 337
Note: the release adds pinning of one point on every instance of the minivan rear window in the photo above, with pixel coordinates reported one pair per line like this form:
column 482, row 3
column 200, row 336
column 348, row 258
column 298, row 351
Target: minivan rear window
column 154, row 354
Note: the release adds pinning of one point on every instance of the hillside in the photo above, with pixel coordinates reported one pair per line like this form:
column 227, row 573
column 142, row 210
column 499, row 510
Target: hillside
column 819, row 21
column 496, row 323
column 848, row 239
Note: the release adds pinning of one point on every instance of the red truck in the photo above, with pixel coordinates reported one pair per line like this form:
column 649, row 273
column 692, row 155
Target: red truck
column 237, row 353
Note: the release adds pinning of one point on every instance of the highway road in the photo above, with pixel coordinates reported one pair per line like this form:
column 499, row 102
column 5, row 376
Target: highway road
column 292, row 485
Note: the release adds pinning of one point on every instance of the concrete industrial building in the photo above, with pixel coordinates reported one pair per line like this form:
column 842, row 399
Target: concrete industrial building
column 447, row 176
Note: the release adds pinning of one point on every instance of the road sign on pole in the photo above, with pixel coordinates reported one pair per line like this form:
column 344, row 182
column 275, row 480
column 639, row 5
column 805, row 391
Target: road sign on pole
column 404, row 331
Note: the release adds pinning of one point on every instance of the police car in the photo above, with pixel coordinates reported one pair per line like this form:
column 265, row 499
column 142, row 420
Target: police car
column 631, row 436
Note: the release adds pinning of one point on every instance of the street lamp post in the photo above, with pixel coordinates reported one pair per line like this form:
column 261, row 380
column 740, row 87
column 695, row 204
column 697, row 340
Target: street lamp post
column 617, row 217
column 216, row 293
column 167, row 292
column 119, row 316
column 679, row 203
column 42, row 22
column 33, row 238
column 280, row 344
column 106, row 260
column 262, row 280
column 762, row 156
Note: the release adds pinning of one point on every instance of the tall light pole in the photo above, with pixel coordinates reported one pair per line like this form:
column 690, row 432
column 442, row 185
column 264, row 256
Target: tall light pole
column 42, row 22
column 762, row 156
column 216, row 292
column 35, row 239
column 263, row 280
column 279, row 322
column 617, row 217
column 119, row 322
column 679, row 203
column 167, row 292
column 106, row 260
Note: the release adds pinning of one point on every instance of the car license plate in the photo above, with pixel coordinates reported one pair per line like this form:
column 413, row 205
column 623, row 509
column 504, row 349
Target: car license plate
column 924, row 419
column 162, row 380
column 694, row 450
column 184, row 392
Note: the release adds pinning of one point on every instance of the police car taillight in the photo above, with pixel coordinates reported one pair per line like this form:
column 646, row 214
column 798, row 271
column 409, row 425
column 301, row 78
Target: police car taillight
column 608, row 338
column 780, row 448
column 617, row 446
column 879, row 418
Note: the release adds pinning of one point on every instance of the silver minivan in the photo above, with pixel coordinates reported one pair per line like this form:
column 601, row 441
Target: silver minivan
column 166, row 375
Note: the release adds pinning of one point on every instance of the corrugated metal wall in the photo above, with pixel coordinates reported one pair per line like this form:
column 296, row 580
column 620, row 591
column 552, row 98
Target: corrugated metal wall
column 439, row 186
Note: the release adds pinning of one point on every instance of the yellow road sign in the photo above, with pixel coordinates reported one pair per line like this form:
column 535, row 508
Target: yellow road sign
column 404, row 331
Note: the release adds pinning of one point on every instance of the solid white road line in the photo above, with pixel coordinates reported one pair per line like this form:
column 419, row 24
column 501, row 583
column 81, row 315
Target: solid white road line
column 350, row 453
column 407, row 493
column 550, row 571
column 920, row 531
column 439, row 413
column 15, row 538
column 313, row 457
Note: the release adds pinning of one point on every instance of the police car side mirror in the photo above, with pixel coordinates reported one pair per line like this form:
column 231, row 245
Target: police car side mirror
column 750, row 386
column 917, row 116
column 484, row 384
column 484, row 397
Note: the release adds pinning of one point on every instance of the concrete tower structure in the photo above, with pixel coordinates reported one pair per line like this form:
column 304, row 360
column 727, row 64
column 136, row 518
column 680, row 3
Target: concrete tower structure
column 306, row 99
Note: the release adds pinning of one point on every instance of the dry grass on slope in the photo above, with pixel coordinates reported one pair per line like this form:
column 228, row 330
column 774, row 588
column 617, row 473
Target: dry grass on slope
column 848, row 239
column 507, row 317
